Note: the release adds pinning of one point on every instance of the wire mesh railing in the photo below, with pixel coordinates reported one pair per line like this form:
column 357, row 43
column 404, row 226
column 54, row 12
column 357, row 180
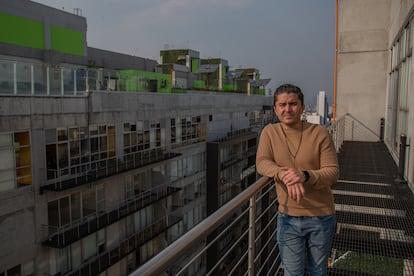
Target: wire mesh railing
column 349, row 128
column 237, row 239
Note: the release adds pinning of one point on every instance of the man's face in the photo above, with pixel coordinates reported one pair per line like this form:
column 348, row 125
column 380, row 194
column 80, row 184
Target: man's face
column 289, row 108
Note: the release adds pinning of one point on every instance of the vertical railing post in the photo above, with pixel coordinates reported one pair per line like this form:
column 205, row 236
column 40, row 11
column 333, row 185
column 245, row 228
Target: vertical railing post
column 252, row 235
column 382, row 126
column 352, row 131
column 402, row 153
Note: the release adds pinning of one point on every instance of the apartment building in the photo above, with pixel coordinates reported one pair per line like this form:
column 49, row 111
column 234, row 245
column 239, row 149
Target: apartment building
column 102, row 164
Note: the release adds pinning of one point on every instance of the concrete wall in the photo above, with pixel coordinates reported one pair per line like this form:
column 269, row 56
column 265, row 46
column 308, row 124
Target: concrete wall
column 362, row 59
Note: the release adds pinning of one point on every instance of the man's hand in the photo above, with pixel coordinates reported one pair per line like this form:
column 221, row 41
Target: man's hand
column 293, row 179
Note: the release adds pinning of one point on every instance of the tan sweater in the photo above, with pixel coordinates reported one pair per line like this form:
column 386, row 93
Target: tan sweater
column 315, row 152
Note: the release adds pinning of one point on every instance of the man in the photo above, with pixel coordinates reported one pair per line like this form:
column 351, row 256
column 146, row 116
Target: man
column 302, row 160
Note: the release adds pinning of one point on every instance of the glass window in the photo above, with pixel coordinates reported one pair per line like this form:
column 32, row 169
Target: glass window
column 80, row 80
column 63, row 260
column 68, row 81
column 102, row 129
column 50, row 136
column 102, row 144
column 14, row 271
column 100, row 198
column 62, row 134
column 75, row 206
column 51, row 161
column 39, row 78
column 76, row 254
column 84, row 147
column 89, row 202
column 64, row 211
column 6, row 77
column 63, row 155
column 89, row 246
column 24, row 78
column 55, row 79
column 28, row 268
column 94, row 145
column 53, row 215
column 15, row 160
column 74, row 148
column 111, row 141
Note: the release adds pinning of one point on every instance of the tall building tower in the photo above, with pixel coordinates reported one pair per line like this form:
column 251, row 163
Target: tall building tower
column 322, row 106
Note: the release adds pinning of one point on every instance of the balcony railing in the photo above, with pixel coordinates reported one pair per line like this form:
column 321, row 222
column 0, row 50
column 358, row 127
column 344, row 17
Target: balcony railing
column 374, row 229
column 104, row 260
column 104, row 168
column 251, row 248
column 66, row 235
column 349, row 128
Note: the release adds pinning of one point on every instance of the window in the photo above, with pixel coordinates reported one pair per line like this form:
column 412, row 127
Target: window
column 187, row 130
column 15, row 160
column 399, row 85
column 26, row 269
column 63, row 260
column 76, row 151
column 24, row 78
column 141, row 135
column 71, row 208
column 7, row 81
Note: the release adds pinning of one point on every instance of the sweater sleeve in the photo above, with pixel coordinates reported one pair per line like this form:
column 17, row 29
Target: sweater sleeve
column 328, row 173
column 265, row 162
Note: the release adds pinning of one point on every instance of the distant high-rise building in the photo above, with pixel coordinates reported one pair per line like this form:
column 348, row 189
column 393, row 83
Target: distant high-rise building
column 322, row 106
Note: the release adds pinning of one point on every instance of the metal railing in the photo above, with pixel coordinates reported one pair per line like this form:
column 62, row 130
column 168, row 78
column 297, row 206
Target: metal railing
column 246, row 249
column 93, row 170
column 349, row 128
column 255, row 244
column 63, row 236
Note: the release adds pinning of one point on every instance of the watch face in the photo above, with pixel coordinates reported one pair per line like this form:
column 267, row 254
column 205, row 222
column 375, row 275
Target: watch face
column 306, row 175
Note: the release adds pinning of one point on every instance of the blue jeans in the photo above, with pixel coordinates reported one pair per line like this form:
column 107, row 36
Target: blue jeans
column 305, row 240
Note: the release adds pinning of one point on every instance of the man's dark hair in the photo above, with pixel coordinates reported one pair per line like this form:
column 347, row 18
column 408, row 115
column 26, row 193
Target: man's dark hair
column 288, row 88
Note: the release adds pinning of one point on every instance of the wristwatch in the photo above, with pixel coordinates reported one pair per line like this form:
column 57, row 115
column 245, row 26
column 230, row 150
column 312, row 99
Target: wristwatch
column 306, row 175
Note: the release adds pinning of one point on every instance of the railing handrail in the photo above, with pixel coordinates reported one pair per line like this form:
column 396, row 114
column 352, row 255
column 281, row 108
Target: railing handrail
column 173, row 252
column 362, row 124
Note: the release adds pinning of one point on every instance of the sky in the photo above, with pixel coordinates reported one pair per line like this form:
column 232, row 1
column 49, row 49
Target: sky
column 288, row 41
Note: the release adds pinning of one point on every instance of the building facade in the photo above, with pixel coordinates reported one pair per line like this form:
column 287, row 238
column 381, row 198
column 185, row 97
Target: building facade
column 375, row 76
column 97, row 172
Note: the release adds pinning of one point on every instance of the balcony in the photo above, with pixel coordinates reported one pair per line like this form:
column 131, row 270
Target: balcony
column 105, row 259
column 375, row 221
column 105, row 168
column 66, row 235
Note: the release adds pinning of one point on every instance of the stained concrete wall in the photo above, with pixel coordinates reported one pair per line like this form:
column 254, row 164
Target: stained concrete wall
column 367, row 31
column 362, row 60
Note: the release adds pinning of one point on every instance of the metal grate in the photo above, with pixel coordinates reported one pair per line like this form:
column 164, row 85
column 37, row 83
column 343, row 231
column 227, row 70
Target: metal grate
column 375, row 212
